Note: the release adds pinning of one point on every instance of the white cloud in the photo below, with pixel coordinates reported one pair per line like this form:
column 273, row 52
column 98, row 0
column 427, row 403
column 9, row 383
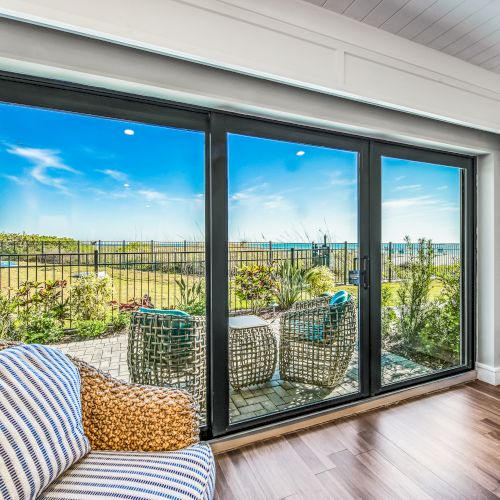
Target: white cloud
column 408, row 187
column 152, row 195
column 114, row 174
column 44, row 161
column 14, row 178
column 276, row 202
column 417, row 201
column 442, row 188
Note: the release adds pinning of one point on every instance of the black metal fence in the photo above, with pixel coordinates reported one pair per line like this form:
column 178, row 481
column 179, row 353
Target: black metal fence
column 155, row 269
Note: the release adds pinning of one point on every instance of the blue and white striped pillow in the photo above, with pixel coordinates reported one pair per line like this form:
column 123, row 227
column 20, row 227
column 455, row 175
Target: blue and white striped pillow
column 41, row 431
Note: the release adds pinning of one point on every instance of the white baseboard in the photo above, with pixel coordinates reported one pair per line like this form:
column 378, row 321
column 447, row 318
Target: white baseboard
column 488, row 374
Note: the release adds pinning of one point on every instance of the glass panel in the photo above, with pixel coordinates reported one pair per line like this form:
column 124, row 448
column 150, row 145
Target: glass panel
column 421, row 269
column 101, row 217
column 293, row 243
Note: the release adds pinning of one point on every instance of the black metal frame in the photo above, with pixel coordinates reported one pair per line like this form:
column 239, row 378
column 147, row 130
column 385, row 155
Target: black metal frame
column 289, row 133
column 62, row 96
column 468, row 252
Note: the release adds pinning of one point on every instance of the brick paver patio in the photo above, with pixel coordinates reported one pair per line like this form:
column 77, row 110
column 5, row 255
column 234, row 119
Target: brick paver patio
column 110, row 354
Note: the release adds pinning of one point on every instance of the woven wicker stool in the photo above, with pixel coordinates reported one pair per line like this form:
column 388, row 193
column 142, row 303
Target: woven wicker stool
column 317, row 342
column 167, row 350
column 252, row 351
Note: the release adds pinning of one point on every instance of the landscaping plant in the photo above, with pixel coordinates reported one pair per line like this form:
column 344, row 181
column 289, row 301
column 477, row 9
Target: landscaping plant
column 320, row 280
column 290, row 283
column 7, row 317
column 192, row 296
column 255, row 284
column 91, row 298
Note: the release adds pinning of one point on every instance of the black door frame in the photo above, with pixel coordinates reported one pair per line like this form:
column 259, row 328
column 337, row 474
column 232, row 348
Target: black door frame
column 32, row 91
column 467, row 166
column 222, row 124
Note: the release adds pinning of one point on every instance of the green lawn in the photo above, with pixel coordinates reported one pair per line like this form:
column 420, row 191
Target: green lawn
column 132, row 284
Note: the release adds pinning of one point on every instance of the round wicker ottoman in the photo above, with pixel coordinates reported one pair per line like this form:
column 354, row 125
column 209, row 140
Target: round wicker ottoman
column 252, row 351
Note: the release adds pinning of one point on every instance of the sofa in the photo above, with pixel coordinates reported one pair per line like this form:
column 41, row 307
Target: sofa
column 70, row 431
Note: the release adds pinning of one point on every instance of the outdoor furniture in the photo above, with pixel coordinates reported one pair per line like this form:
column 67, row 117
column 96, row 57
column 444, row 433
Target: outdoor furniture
column 317, row 341
column 252, row 351
column 168, row 348
column 72, row 431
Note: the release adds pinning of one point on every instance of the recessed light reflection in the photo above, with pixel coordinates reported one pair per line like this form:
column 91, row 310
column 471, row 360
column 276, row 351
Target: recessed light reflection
column 300, row 153
column 128, row 131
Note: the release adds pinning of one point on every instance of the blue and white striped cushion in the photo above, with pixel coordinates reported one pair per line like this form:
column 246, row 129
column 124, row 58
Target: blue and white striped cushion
column 41, row 431
column 126, row 475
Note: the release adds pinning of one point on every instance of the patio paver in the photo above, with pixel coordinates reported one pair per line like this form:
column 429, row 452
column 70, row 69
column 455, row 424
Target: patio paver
column 110, row 355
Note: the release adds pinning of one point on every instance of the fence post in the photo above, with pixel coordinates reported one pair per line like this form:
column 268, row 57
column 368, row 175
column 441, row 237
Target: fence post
column 292, row 256
column 185, row 247
column 345, row 263
column 152, row 247
column 123, row 246
column 270, row 253
column 390, row 262
column 96, row 260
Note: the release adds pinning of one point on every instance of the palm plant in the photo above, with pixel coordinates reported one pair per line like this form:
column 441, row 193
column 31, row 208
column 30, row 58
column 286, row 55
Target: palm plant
column 290, row 282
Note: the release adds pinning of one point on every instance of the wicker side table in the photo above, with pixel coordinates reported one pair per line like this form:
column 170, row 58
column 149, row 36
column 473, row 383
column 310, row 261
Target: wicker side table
column 252, row 351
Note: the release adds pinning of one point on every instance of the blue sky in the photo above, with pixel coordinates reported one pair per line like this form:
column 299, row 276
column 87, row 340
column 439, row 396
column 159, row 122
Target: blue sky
column 94, row 178
column 73, row 175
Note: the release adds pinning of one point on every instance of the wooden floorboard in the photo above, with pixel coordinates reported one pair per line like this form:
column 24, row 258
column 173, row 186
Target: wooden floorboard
column 442, row 446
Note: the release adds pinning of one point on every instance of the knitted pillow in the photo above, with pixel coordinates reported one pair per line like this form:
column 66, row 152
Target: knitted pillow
column 41, row 431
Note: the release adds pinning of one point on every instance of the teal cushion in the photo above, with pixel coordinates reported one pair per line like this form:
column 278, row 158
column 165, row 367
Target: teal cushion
column 169, row 312
column 180, row 328
column 339, row 298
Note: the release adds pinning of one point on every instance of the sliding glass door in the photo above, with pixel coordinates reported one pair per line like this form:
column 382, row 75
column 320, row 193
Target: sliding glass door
column 423, row 286
column 295, row 337
column 271, row 270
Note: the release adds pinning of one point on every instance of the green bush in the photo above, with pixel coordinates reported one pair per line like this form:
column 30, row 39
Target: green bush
column 7, row 317
column 42, row 297
column 255, row 284
column 35, row 327
column 320, row 280
column 120, row 321
column 412, row 297
column 89, row 328
column 290, row 282
column 192, row 297
column 91, row 297
column 441, row 337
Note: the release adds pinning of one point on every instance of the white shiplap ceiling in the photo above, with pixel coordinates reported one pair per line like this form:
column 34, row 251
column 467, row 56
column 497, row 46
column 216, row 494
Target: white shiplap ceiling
column 467, row 29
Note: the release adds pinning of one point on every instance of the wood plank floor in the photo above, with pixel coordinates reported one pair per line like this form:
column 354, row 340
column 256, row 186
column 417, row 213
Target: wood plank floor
column 442, row 446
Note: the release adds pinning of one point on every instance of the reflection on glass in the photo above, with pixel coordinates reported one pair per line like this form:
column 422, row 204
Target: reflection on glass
column 101, row 217
column 421, row 269
column 293, row 233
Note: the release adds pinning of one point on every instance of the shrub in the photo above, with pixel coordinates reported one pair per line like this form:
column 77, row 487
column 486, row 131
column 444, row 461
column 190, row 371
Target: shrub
column 320, row 280
column 441, row 337
column 38, row 328
column 290, row 283
column 7, row 309
column 120, row 321
column 192, row 296
column 91, row 298
column 89, row 328
column 412, row 297
column 388, row 317
column 255, row 284
column 43, row 297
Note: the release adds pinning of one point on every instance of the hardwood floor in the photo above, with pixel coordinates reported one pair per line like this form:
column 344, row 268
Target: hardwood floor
column 442, row 446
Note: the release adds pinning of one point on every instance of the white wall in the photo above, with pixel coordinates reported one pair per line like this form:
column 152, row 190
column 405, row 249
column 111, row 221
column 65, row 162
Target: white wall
column 288, row 41
column 33, row 50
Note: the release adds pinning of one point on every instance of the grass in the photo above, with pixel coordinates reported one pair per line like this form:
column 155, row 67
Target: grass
column 132, row 284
